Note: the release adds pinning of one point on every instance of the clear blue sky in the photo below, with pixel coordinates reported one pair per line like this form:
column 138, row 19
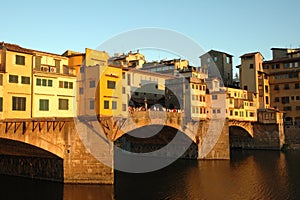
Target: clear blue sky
column 233, row 26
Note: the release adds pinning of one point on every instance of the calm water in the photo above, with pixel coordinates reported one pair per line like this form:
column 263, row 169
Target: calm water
column 248, row 175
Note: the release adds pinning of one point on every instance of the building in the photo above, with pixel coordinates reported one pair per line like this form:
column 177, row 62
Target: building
column 15, row 81
column 187, row 94
column 218, row 64
column 254, row 79
column 283, row 71
column 172, row 67
column 99, row 89
column 130, row 60
column 232, row 103
column 54, row 86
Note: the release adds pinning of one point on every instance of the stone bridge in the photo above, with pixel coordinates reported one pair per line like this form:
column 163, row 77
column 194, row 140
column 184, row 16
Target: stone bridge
column 60, row 138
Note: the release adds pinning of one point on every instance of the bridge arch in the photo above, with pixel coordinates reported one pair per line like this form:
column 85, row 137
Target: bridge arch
column 153, row 137
column 239, row 137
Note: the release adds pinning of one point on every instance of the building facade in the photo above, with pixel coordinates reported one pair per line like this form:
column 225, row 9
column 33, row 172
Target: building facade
column 283, row 71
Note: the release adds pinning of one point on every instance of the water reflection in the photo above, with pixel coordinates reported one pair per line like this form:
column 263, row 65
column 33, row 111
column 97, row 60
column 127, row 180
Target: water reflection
column 248, row 175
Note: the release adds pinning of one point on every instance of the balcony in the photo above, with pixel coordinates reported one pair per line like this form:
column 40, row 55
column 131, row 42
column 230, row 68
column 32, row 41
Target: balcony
column 66, row 70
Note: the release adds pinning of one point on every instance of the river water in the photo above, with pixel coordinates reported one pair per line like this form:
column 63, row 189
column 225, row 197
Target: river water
column 248, row 175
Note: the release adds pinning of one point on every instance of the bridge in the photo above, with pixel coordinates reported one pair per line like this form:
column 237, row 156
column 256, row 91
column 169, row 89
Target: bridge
column 65, row 155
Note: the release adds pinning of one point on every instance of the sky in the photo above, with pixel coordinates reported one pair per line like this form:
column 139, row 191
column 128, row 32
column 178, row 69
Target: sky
column 232, row 26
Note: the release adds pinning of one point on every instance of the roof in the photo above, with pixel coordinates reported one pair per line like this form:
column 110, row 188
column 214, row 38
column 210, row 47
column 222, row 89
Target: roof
column 282, row 60
column 17, row 48
column 250, row 54
column 227, row 54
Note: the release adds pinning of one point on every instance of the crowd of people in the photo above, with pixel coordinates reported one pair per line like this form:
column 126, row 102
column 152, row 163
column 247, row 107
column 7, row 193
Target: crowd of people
column 156, row 107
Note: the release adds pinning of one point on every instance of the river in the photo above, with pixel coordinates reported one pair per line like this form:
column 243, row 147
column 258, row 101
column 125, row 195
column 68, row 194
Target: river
column 248, row 175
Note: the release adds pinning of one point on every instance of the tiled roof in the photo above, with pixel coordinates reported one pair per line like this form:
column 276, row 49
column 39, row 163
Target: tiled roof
column 249, row 54
column 16, row 48
column 282, row 60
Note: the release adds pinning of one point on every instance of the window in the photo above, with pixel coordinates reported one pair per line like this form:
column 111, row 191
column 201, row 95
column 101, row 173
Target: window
column 287, row 108
column 276, row 87
column 292, row 98
column 285, row 100
column 92, row 104
column 114, row 105
column 128, row 79
column 277, row 99
column 25, row 80
column 70, row 85
column 1, row 104
column 50, row 83
column 66, row 84
column 81, row 69
column 19, row 103
column 296, row 64
column 20, row 60
column 106, row 104
column 38, row 61
column 1, row 79
column 297, row 98
column 215, row 58
column 44, row 82
column 123, row 75
column 266, row 66
column 38, row 81
column 13, row 79
column 228, row 59
column 266, row 88
column 267, row 100
column 123, row 90
column 251, row 66
column 231, row 112
column 61, row 84
column 123, row 107
column 214, row 97
column 111, row 84
column 44, row 104
column 297, row 85
column 297, row 107
column 236, row 113
column 63, row 104
column 218, row 111
column 92, row 84
column 286, row 65
column 245, row 87
column 286, row 86
column 80, row 90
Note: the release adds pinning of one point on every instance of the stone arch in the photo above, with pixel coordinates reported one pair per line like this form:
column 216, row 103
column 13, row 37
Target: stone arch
column 247, row 126
column 134, row 142
column 239, row 137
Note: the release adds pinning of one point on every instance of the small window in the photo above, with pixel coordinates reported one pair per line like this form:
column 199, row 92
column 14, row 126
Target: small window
column 44, row 104
column 66, row 84
column 70, row 85
column 81, row 90
column 19, row 103
column 20, row 60
column 245, row 87
column 63, row 104
column 1, row 104
column 251, row 66
column 25, row 80
column 277, row 99
column 111, row 84
column 92, row 84
column 214, row 97
column 13, row 79
column 123, row 75
column 276, row 87
column 44, row 82
column 124, row 107
column 38, row 82
column 123, row 90
column 297, row 85
column 215, row 59
column 92, row 104
column 106, row 104
column 61, row 84
column 286, row 86
column 81, row 69
column 114, row 105
column 1, row 79
column 50, row 83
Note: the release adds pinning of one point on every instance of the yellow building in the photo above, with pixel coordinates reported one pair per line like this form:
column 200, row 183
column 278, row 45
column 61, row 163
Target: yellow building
column 16, row 79
column 54, row 86
column 99, row 86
